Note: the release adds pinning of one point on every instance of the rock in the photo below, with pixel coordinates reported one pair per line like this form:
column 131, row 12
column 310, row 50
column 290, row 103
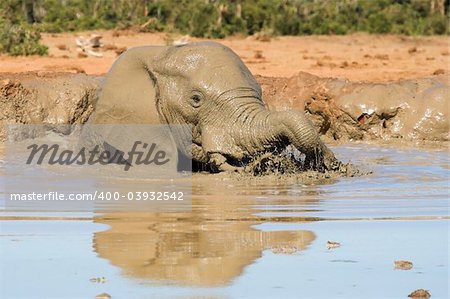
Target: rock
column 103, row 296
column 258, row 54
column 412, row 50
column 120, row 50
column 382, row 56
column 420, row 293
column 62, row 47
column 344, row 65
column 439, row 72
column 403, row 265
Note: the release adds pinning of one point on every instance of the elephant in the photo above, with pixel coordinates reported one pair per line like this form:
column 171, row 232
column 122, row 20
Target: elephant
column 207, row 86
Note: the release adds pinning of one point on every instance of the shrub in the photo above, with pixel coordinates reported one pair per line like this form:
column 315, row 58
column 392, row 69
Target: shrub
column 437, row 25
column 220, row 18
column 20, row 39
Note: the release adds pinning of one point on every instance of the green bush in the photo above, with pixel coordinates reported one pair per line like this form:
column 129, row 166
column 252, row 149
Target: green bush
column 20, row 40
column 24, row 19
column 437, row 25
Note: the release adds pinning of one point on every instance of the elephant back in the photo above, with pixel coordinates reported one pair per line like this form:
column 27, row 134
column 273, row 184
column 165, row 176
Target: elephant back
column 129, row 93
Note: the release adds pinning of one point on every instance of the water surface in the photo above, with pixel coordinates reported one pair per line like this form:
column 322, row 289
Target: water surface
column 249, row 238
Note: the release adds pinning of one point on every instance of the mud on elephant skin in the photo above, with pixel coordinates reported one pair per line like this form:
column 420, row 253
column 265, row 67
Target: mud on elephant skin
column 206, row 85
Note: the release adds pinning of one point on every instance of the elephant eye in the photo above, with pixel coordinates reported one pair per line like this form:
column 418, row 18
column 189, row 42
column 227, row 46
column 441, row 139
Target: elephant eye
column 196, row 100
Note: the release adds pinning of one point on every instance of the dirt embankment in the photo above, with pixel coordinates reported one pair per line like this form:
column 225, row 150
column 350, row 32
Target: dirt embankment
column 40, row 98
column 410, row 110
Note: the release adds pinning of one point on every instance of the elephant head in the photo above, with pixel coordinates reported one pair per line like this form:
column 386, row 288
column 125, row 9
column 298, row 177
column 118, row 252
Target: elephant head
column 207, row 86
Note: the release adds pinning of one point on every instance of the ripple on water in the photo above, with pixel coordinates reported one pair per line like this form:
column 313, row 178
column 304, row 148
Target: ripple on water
column 263, row 238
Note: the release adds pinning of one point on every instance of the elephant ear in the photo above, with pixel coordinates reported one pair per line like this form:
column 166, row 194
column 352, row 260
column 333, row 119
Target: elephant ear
column 129, row 93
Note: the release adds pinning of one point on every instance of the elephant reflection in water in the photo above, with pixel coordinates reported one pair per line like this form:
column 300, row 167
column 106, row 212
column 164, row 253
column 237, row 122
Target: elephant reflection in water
column 208, row 246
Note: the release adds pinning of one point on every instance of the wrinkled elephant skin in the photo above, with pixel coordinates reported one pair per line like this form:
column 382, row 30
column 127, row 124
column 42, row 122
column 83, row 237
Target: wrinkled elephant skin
column 207, row 86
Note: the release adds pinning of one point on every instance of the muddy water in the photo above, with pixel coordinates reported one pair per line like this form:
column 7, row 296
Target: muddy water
column 250, row 238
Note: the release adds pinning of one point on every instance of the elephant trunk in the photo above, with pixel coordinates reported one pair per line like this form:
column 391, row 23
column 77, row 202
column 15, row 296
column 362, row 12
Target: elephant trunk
column 302, row 134
column 267, row 130
column 252, row 129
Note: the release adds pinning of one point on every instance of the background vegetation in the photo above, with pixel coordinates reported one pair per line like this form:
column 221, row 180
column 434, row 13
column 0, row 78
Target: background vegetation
column 22, row 20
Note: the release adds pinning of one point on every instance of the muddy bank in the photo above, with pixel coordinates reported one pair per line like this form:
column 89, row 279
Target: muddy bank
column 40, row 97
column 410, row 110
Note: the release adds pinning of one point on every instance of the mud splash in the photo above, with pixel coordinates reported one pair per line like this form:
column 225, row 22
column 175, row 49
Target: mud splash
column 290, row 163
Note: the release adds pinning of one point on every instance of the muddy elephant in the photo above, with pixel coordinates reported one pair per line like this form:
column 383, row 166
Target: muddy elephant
column 207, row 86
